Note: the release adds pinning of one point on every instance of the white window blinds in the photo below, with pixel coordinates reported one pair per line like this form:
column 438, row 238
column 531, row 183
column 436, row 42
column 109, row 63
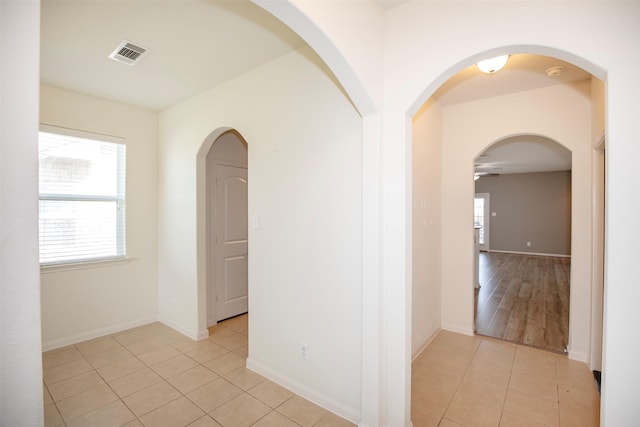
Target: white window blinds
column 82, row 196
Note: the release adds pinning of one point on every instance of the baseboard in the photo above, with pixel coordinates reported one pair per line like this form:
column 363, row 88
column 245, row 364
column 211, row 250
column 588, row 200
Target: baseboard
column 96, row 333
column 196, row 335
column 331, row 405
column 458, row 330
column 577, row 356
column 529, row 253
column 426, row 344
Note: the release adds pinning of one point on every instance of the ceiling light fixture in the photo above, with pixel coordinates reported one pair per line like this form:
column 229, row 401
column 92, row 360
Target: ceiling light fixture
column 554, row 71
column 493, row 65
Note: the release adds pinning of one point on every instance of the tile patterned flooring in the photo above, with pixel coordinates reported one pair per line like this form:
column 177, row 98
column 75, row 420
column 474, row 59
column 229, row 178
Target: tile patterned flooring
column 154, row 376
column 477, row 381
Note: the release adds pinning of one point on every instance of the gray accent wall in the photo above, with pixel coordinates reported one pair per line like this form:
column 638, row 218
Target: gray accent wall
column 529, row 207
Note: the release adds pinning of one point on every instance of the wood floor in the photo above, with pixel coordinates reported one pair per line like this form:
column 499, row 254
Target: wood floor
column 524, row 299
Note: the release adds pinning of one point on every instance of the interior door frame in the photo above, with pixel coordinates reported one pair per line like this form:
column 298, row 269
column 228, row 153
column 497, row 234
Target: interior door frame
column 205, row 171
column 598, row 260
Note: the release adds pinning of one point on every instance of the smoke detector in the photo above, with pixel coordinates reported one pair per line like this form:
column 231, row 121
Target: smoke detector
column 128, row 53
column 554, row 72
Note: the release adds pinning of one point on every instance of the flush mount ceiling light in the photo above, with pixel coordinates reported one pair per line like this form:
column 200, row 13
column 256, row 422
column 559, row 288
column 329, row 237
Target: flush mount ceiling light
column 554, row 72
column 493, row 65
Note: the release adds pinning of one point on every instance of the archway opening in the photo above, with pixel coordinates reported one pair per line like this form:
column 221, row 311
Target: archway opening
column 447, row 136
column 226, row 204
column 522, row 252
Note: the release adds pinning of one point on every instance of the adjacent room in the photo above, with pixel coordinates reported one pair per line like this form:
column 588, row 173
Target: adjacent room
column 207, row 135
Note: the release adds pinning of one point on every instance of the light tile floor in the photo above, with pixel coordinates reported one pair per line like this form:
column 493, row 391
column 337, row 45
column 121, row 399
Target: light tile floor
column 154, row 376
column 477, row 381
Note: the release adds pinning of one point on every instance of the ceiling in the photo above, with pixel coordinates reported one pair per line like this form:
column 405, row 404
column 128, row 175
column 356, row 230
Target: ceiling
column 522, row 72
column 196, row 45
column 523, row 154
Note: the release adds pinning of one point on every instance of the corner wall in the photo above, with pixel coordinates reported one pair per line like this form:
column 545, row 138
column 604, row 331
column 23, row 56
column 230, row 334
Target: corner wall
column 86, row 303
column 426, row 158
column 20, row 344
column 304, row 183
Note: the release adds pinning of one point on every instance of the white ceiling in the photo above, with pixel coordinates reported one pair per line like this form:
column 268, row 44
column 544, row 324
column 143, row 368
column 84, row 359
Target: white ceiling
column 194, row 45
column 524, row 154
column 198, row 44
column 522, row 72
column 388, row 4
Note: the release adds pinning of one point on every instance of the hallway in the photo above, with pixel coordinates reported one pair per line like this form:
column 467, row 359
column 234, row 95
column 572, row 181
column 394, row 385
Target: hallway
column 468, row 381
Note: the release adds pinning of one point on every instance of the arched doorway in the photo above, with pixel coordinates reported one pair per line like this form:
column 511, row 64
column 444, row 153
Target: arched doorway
column 475, row 128
column 227, row 234
column 523, row 280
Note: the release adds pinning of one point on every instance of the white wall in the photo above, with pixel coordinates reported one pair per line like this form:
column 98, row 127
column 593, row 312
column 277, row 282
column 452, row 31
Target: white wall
column 428, row 42
column 20, row 350
column 304, row 141
column 426, row 238
column 85, row 303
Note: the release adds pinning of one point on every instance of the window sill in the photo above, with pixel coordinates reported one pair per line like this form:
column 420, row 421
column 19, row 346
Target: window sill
column 56, row 268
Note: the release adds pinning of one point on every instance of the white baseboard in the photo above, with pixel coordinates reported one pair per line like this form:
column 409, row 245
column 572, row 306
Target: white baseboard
column 196, row 335
column 95, row 333
column 426, row 344
column 459, row 330
column 577, row 356
column 529, row 253
column 331, row 405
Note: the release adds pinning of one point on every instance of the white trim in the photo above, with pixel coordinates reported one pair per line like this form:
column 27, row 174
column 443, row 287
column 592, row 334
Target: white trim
column 56, row 268
column 529, row 253
column 331, row 405
column 77, row 133
column 578, row 356
column 96, row 333
column 426, row 344
column 196, row 335
column 458, row 330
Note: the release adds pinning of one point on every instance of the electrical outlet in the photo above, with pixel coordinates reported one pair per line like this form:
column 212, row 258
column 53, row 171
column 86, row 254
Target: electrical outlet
column 304, row 350
column 528, row 243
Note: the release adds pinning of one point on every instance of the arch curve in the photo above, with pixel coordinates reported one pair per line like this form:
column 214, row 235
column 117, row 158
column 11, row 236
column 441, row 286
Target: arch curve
column 461, row 64
column 535, row 153
column 309, row 27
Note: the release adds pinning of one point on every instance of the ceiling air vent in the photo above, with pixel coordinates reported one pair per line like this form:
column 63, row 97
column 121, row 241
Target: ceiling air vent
column 128, row 53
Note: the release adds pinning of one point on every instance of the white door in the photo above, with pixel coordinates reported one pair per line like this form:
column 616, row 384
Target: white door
column 481, row 217
column 230, row 248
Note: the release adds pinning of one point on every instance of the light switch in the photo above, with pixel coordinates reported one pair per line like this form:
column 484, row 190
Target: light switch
column 255, row 222
column 494, row 214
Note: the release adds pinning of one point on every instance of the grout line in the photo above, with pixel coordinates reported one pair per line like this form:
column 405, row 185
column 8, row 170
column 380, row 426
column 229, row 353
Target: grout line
column 148, row 366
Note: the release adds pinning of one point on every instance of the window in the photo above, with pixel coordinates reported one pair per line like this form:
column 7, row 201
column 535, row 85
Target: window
column 82, row 196
column 478, row 217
